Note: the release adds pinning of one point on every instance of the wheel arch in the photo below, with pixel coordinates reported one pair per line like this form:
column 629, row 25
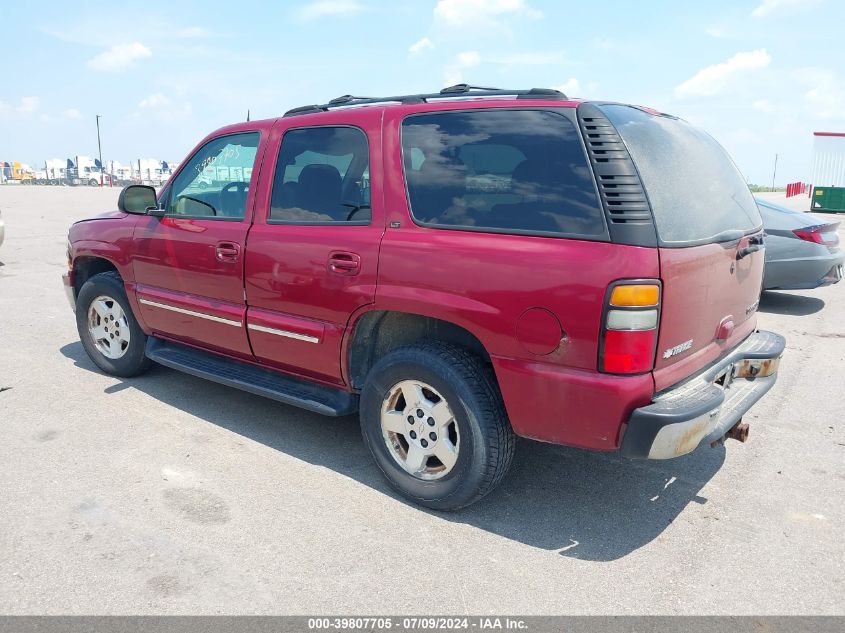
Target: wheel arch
column 86, row 266
column 377, row 332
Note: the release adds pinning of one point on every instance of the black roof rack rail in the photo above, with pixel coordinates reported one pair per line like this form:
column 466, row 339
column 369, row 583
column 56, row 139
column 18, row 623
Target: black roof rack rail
column 306, row 109
column 456, row 91
column 461, row 88
column 347, row 99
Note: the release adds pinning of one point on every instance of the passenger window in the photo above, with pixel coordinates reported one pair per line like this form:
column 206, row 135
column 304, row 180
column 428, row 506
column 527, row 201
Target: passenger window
column 322, row 177
column 517, row 171
column 215, row 182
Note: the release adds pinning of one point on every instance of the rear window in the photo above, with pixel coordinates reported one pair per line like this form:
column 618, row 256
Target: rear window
column 697, row 194
column 513, row 171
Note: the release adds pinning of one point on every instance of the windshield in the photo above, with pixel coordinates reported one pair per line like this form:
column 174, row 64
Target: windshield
column 696, row 192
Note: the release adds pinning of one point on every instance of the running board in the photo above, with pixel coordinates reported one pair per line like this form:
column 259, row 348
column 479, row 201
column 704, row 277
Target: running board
column 262, row 382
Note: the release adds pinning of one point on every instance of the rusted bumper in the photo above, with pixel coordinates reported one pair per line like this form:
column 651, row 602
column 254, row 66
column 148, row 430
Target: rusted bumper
column 706, row 406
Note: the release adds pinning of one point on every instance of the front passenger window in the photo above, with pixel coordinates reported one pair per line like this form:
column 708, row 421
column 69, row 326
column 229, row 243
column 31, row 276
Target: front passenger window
column 215, row 182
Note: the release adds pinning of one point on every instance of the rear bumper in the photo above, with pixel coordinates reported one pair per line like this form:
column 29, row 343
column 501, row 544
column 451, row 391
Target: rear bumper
column 704, row 408
column 803, row 274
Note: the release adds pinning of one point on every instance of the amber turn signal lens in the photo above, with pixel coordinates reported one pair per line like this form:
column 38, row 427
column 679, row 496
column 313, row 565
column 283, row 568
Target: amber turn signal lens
column 635, row 296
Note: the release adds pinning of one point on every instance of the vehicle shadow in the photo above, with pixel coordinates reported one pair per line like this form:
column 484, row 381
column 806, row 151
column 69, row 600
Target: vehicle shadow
column 582, row 504
column 774, row 302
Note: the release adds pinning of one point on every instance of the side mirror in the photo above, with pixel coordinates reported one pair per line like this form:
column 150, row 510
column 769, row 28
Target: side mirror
column 137, row 199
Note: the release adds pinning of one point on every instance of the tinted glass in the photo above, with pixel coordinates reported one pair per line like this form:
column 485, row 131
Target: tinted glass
column 215, row 182
column 509, row 170
column 322, row 176
column 696, row 191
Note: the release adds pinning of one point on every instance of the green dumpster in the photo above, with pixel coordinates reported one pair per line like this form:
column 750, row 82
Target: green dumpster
column 828, row 199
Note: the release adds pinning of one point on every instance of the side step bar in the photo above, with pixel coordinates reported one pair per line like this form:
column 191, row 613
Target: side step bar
column 246, row 377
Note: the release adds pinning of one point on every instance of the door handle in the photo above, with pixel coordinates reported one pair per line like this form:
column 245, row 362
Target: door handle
column 343, row 263
column 755, row 243
column 227, row 252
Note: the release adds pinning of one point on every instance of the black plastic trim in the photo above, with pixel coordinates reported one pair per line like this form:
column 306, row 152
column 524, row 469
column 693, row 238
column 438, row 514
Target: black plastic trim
column 246, row 377
column 459, row 90
column 621, row 190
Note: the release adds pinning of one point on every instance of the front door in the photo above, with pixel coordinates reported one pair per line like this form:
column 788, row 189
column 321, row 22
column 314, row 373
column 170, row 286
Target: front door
column 313, row 249
column 189, row 264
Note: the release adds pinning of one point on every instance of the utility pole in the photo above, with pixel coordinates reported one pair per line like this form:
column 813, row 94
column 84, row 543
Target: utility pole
column 774, row 173
column 100, row 150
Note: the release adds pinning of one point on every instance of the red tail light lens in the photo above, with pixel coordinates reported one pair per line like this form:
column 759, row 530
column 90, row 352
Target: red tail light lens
column 822, row 234
column 629, row 352
column 629, row 327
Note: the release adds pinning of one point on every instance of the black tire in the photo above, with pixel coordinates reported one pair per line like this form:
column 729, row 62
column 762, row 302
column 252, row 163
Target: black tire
column 134, row 360
column 93, row 183
column 487, row 441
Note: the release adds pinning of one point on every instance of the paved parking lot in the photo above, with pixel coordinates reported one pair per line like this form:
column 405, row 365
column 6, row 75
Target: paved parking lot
column 168, row 494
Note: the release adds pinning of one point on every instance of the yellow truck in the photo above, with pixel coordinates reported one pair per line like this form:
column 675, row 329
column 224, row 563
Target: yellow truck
column 13, row 171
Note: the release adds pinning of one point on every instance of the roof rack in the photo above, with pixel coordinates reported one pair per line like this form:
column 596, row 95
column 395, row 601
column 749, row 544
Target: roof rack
column 452, row 92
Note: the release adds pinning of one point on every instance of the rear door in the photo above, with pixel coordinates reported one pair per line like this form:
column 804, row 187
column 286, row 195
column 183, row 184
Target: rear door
column 313, row 250
column 710, row 239
column 189, row 265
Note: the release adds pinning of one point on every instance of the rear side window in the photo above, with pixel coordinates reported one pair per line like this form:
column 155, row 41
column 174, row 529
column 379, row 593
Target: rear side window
column 322, row 177
column 696, row 192
column 513, row 171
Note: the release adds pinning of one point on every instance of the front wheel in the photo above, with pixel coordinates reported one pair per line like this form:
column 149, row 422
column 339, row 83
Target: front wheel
column 107, row 328
column 433, row 419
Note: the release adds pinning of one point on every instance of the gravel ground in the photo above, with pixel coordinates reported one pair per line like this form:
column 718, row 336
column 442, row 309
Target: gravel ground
column 168, row 494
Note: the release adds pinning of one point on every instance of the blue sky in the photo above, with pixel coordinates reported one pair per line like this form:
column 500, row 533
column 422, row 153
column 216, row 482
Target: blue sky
column 759, row 75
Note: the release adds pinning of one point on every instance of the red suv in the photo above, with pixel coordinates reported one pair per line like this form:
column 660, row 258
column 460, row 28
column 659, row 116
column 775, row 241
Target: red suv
column 460, row 268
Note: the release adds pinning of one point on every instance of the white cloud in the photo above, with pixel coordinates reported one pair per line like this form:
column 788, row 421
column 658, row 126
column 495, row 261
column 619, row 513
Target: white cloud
column 763, row 105
column 717, row 32
column 468, row 59
column 330, row 8
column 604, row 43
column 154, row 101
column 72, row 113
column 713, row 79
column 825, row 97
column 119, row 57
column 770, row 7
column 417, row 48
column 474, row 12
column 163, row 108
column 453, row 73
column 570, row 88
column 531, row 59
column 192, row 31
column 28, row 104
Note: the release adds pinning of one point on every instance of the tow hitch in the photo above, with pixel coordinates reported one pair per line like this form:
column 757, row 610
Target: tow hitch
column 738, row 431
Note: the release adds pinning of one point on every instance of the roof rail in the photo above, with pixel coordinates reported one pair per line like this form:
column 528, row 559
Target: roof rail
column 346, row 99
column 452, row 92
column 461, row 88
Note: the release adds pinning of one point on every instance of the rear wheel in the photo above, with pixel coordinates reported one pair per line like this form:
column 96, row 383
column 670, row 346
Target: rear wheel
column 434, row 421
column 107, row 328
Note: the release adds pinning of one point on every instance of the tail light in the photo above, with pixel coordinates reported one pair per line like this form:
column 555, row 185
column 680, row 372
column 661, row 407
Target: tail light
column 629, row 327
column 824, row 234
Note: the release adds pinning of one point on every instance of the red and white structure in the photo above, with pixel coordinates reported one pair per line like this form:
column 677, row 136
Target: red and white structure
column 828, row 159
